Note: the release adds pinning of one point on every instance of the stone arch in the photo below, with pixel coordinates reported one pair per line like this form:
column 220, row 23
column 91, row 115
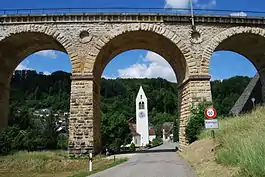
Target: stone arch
column 158, row 30
column 63, row 43
column 221, row 42
column 126, row 37
column 18, row 42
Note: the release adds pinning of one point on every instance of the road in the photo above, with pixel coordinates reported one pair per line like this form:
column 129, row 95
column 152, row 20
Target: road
column 151, row 164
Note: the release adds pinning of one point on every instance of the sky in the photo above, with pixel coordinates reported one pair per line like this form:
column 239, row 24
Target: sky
column 139, row 63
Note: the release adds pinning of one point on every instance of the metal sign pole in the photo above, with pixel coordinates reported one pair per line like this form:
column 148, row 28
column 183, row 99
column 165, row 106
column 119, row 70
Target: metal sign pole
column 211, row 123
column 213, row 135
column 90, row 161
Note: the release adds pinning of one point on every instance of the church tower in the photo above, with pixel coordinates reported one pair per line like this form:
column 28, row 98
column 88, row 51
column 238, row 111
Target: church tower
column 142, row 117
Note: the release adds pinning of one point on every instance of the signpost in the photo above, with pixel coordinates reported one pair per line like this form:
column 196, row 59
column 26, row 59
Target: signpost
column 210, row 122
column 90, row 161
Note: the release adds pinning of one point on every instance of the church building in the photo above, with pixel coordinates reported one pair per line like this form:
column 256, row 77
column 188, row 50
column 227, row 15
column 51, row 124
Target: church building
column 141, row 132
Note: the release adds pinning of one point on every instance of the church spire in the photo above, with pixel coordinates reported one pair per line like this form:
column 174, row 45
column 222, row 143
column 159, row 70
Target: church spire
column 142, row 117
column 141, row 94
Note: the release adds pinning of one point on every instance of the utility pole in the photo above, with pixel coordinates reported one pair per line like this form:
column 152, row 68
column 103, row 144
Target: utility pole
column 192, row 14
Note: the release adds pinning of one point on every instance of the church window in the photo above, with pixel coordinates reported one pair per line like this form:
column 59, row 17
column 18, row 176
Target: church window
column 141, row 96
column 141, row 105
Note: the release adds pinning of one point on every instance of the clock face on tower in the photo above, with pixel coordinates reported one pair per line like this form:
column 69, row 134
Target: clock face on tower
column 141, row 114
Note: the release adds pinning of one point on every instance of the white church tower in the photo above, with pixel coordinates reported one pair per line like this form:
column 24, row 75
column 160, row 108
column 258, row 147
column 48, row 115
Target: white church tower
column 142, row 117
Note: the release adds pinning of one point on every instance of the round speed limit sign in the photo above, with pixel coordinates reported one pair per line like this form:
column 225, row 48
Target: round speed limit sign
column 210, row 113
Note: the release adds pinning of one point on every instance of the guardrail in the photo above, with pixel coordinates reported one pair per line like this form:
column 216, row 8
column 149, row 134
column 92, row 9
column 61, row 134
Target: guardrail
column 166, row 11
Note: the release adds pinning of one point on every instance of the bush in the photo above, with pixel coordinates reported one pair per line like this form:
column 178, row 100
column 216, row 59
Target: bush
column 132, row 147
column 196, row 121
column 6, row 139
column 62, row 142
column 30, row 133
column 157, row 141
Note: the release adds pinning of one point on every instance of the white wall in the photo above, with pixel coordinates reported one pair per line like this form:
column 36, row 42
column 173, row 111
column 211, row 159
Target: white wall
column 152, row 137
column 136, row 140
column 142, row 122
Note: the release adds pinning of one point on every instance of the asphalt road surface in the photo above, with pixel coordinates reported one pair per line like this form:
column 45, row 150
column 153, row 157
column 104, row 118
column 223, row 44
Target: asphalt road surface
column 151, row 164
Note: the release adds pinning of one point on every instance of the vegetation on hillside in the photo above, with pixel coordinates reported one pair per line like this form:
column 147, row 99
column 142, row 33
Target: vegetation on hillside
column 239, row 143
column 31, row 133
column 226, row 92
column 242, row 143
column 31, row 91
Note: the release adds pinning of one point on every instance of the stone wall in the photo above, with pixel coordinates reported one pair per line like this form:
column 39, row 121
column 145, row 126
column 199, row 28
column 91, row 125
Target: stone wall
column 193, row 91
column 81, row 122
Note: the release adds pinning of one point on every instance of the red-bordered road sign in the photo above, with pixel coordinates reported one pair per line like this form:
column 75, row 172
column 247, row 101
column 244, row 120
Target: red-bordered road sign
column 210, row 113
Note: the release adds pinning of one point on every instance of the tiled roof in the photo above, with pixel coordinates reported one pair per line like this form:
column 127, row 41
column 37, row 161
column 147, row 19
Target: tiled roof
column 133, row 129
column 151, row 131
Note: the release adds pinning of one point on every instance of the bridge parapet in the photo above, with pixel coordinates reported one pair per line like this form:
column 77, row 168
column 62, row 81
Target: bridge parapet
column 128, row 18
column 73, row 15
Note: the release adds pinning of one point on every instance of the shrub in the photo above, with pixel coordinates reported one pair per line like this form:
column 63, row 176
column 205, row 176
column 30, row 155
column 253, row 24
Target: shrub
column 157, row 141
column 196, row 121
column 62, row 142
column 7, row 139
column 132, row 147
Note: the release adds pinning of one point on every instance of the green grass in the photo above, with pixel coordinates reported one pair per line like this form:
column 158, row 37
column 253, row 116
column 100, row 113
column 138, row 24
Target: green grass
column 49, row 163
column 101, row 168
column 242, row 143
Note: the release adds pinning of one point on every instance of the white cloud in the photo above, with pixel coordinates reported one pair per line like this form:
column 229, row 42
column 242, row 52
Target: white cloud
column 240, row 14
column 176, row 3
column 208, row 5
column 22, row 66
column 157, row 67
column 185, row 4
column 46, row 73
column 47, row 53
column 109, row 77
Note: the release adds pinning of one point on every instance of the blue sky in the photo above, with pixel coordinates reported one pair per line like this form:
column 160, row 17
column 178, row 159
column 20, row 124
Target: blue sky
column 139, row 63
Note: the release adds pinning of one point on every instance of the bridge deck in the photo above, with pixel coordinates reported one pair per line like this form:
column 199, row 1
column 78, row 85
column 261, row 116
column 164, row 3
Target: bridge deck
column 19, row 16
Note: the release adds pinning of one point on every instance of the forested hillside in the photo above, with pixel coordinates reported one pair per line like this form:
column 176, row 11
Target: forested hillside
column 36, row 91
column 31, row 91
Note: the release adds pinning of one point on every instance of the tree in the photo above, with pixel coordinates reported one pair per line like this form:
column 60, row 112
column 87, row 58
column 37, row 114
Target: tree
column 50, row 134
column 196, row 121
column 115, row 131
column 31, row 91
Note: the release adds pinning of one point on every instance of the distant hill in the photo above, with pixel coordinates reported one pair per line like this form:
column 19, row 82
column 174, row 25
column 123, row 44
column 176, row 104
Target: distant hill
column 33, row 90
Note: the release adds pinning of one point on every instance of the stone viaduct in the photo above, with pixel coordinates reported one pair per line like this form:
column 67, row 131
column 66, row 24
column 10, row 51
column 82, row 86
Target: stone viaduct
column 92, row 40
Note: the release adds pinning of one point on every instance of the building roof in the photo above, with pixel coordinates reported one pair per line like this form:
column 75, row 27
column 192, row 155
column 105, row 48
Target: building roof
column 141, row 95
column 133, row 128
column 151, row 132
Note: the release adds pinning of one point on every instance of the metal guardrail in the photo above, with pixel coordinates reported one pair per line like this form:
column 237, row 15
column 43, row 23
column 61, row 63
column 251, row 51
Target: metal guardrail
column 166, row 11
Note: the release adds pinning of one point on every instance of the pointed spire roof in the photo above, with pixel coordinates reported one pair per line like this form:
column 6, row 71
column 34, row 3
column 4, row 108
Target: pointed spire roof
column 141, row 92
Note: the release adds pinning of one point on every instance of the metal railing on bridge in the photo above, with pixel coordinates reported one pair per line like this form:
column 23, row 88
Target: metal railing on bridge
column 124, row 11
